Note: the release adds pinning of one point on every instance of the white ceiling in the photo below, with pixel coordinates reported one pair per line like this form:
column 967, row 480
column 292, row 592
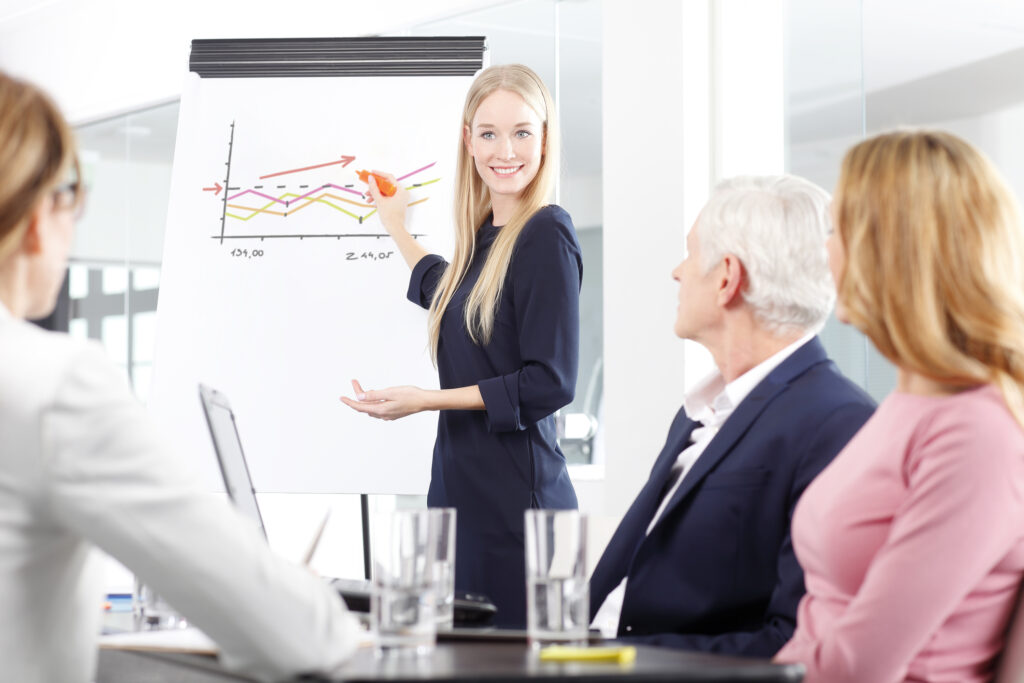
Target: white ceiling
column 298, row 16
column 903, row 40
column 902, row 53
column 103, row 57
column 520, row 31
column 13, row 9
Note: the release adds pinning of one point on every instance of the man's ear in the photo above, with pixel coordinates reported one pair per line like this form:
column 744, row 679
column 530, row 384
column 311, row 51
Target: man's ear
column 733, row 280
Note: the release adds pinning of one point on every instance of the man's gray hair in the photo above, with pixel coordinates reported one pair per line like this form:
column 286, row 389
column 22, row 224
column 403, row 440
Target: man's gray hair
column 777, row 227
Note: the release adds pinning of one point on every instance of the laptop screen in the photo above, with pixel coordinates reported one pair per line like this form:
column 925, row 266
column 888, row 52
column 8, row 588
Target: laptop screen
column 228, row 446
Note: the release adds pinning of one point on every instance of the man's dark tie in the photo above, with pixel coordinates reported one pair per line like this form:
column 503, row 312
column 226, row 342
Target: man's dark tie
column 676, row 470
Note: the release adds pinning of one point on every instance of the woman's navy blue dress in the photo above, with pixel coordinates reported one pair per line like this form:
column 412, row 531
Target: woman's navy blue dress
column 493, row 464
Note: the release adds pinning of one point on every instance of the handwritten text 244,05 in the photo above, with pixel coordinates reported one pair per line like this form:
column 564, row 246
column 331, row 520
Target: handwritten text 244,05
column 368, row 255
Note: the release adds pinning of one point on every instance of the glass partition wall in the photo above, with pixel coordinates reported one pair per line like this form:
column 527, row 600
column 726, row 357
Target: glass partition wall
column 825, row 115
column 114, row 271
column 860, row 67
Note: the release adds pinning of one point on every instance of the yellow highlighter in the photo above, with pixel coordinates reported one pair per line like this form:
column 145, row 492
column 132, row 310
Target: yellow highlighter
column 625, row 654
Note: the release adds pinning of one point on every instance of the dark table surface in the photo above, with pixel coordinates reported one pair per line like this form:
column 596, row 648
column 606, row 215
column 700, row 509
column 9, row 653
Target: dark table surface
column 466, row 661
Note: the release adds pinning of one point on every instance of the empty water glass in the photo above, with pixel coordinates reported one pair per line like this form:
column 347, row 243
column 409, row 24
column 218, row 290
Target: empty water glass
column 443, row 568
column 402, row 605
column 151, row 612
column 557, row 593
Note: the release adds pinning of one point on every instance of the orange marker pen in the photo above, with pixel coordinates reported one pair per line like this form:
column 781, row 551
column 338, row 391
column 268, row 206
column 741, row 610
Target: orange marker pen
column 386, row 187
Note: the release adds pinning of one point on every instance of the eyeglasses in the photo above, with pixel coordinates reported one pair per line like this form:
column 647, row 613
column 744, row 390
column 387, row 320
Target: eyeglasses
column 70, row 195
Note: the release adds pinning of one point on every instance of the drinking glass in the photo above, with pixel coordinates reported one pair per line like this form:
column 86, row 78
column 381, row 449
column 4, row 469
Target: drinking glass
column 151, row 612
column 557, row 593
column 443, row 566
column 402, row 603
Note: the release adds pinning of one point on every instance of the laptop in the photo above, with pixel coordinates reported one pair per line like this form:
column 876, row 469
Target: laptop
column 470, row 610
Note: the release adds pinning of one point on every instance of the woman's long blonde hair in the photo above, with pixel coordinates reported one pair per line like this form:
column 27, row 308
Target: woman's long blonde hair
column 473, row 206
column 935, row 260
column 37, row 151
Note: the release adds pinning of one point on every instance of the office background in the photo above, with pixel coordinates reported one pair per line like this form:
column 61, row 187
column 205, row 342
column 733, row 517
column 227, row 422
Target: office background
column 658, row 101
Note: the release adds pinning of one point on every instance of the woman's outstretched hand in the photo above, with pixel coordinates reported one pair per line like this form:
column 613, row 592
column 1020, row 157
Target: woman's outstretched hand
column 388, row 404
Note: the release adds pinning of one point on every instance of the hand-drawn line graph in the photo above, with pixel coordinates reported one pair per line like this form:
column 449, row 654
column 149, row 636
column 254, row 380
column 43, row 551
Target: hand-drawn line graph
column 290, row 201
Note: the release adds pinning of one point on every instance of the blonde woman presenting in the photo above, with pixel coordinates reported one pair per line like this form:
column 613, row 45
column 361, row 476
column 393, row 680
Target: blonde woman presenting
column 503, row 330
column 912, row 540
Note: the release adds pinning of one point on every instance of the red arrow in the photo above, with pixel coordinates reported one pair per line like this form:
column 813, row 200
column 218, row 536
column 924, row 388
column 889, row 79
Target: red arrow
column 215, row 189
column 345, row 161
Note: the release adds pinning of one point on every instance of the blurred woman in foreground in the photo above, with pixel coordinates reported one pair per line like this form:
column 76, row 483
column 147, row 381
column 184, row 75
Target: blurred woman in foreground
column 80, row 465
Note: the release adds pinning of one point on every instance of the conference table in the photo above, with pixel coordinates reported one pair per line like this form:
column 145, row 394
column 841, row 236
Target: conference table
column 456, row 660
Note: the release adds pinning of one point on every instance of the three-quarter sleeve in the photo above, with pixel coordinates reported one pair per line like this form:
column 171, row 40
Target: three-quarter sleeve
column 425, row 275
column 545, row 276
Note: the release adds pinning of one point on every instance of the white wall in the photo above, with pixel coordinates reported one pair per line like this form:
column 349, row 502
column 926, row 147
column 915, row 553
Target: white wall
column 692, row 93
column 748, row 95
column 643, row 236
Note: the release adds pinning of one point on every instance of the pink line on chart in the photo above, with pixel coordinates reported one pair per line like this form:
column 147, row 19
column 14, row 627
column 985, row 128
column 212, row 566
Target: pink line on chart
column 417, row 171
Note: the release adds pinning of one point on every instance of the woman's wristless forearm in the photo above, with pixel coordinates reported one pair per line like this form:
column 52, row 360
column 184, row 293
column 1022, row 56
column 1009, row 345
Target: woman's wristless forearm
column 463, row 398
column 412, row 251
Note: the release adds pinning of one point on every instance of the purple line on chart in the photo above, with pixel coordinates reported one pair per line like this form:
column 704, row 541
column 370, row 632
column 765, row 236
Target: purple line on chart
column 345, row 189
column 265, row 196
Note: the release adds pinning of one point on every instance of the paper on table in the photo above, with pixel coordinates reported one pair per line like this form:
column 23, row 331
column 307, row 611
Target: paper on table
column 179, row 640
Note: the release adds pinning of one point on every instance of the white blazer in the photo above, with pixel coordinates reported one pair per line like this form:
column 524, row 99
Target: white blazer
column 81, row 465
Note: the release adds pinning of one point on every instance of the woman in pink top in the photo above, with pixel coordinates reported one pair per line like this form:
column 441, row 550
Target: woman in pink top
column 912, row 540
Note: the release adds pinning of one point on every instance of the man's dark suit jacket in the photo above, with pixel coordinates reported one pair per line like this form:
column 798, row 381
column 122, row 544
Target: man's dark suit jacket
column 718, row 572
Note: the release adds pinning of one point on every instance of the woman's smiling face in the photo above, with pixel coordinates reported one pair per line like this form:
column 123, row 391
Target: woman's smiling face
column 506, row 141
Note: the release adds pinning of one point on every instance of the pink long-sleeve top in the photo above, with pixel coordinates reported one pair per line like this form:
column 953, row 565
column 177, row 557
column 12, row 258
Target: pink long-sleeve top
column 912, row 544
